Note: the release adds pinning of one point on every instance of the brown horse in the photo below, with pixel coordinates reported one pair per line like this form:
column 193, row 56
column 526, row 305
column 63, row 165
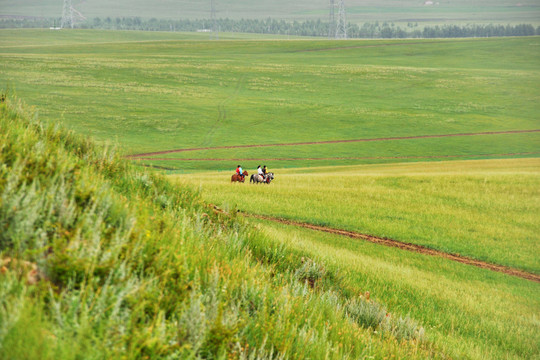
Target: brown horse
column 239, row 178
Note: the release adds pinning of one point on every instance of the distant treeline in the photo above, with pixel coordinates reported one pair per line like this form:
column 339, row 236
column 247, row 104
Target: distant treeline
column 281, row 27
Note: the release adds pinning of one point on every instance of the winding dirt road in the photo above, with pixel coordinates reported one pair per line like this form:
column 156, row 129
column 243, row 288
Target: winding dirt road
column 404, row 246
column 142, row 155
column 339, row 158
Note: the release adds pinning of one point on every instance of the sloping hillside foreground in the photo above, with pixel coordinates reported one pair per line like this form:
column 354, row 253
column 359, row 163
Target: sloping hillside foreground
column 101, row 260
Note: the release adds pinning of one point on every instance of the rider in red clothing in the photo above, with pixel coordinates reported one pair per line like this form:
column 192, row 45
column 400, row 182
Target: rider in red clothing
column 240, row 172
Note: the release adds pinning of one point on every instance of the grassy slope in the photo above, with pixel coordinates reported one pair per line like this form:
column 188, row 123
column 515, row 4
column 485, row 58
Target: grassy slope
column 483, row 209
column 470, row 313
column 481, row 336
column 112, row 262
column 133, row 266
column 174, row 94
column 495, row 11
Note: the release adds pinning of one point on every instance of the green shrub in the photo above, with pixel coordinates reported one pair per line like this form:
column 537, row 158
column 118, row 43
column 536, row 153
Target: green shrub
column 12, row 294
column 405, row 328
column 366, row 313
column 310, row 272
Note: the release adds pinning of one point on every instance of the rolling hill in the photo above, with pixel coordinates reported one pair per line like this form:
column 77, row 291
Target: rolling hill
column 155, row 92
column 100, row 260
column 425, row 144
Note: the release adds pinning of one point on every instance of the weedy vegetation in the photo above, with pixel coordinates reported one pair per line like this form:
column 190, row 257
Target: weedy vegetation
column 102, row 260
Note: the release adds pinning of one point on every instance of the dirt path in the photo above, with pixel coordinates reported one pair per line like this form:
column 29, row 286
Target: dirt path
column 373, row 46
column 338, row 158
column 404, row 246
column 134, row 156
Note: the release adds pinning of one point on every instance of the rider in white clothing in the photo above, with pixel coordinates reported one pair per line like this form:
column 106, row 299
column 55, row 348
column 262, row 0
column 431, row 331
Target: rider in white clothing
column 260, row 172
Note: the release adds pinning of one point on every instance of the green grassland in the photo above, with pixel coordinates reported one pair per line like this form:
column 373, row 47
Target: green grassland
column 413, row 150
column 135, row 265
column 161, row 91
column 487, row 209
column 404, row 11
column 129, row 265
column 99, row 260
column 468, row 312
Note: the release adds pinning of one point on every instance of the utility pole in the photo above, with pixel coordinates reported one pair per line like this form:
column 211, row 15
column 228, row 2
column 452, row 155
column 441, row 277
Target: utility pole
column 215, row 31
column 332, row 20
column 341, row 26
column 67, row 15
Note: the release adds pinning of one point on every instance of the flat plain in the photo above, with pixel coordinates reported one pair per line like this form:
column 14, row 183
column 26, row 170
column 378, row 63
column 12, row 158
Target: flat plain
column 485, row 209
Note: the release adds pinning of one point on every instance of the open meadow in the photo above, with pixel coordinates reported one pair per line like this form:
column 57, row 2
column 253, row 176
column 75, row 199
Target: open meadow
column 430, row 143
column 486, row 210
column 151, row 92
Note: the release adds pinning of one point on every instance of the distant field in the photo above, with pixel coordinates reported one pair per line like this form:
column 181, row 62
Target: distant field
column 358, row 11
column 487, row 210
column 165, row 91
column 384, row 151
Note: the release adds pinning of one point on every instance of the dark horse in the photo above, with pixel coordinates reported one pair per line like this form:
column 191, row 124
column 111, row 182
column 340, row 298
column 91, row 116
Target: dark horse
column 239, row 178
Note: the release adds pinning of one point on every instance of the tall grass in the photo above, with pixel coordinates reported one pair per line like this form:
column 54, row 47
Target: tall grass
column 100, row 260
column 464, row 311
column 482, row 209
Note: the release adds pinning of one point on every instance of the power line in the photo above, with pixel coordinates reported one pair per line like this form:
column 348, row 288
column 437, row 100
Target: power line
column 69, row 14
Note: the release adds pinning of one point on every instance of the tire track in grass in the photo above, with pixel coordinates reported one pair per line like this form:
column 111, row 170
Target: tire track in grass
column 371, row 46
column 134, row 156
column 401, row 245
column 222, row 112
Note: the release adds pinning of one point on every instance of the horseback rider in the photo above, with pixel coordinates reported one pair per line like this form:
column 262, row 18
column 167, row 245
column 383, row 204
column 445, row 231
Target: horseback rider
column 261, row 172
column 239, row 171
column 265, row 173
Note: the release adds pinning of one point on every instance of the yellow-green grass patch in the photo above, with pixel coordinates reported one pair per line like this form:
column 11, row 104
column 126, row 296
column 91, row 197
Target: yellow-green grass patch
column 486, row 209
column 468, row 312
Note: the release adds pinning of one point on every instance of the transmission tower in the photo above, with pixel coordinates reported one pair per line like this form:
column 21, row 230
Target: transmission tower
column 341, row 25
column 332, row 20
column 67, row 15
column 215, row 31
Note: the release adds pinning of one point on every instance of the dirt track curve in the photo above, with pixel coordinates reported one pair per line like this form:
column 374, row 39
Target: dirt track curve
column 339, row 158
column 134, row 156
column 404, row 246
